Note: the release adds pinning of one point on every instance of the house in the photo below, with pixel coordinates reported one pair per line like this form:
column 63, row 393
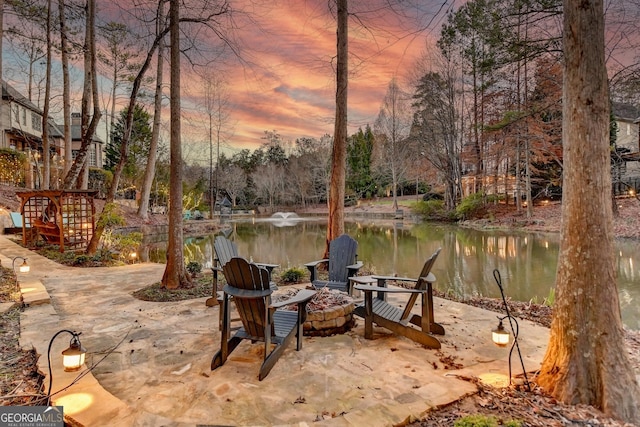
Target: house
column 95, row 155
column 626, row 173
column 21, row 130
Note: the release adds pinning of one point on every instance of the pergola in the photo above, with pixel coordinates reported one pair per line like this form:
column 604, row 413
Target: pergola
column 62, row 217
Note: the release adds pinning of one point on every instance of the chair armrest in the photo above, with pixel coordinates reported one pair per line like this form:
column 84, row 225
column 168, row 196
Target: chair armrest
column 353, row 268
column 303, row 296
column 400, row 279
column 313, row 268
column 269, row 267
column 370, row 288
column 430, row 278
column 314, row 264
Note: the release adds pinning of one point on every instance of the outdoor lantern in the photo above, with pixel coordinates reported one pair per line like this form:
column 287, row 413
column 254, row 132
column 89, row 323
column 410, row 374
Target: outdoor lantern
column 500, row 335
column 73, row 357
column 24, row 267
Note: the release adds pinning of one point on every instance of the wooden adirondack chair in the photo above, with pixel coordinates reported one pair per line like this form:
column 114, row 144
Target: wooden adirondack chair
column 225, row 249
column 401, row 321
column 248, row 284
column 342, row 264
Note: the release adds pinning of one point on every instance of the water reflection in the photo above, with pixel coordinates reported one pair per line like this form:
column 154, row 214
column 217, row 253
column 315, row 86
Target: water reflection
column 526, row 261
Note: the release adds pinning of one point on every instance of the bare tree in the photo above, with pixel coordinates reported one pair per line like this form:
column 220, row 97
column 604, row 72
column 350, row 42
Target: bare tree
column 335, row 226
column 586, row 360
column 175, row 274
column 46, row 159
column 269, row 181
column 66, row 89
column 392, row 128
column 149, row 173
column 117, row 57
column 89, row 97
column 233, row 181
column 216, row 106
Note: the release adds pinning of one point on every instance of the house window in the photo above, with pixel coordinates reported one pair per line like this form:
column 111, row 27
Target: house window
column 24, row 116
column 628, row 129
column 16, row 113
column 36, row 121
column 92, row 157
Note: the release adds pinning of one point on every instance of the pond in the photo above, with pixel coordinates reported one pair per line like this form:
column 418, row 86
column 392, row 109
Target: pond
column 526, row 261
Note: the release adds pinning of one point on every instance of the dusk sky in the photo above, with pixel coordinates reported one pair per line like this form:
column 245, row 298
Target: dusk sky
column 285, row 80
column 290, row 86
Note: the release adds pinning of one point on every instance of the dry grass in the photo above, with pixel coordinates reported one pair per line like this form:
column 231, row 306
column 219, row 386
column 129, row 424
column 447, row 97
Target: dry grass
column 20, row 381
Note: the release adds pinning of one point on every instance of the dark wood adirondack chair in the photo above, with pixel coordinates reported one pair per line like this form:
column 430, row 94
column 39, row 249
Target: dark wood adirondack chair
column 225, row 249
column 377, row 310
column 248, row 285
column 342, row 264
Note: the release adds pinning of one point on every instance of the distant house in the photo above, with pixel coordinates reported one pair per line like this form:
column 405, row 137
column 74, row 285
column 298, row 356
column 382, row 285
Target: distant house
column 20, row 122
column 21, row 130
column 96, row 149
column 626, row 174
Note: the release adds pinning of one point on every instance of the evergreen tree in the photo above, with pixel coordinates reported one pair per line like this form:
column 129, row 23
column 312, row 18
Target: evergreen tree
column 138, row 148
column 359, row 150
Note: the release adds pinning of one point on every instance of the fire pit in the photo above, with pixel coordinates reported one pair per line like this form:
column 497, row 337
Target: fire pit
column 329, row 312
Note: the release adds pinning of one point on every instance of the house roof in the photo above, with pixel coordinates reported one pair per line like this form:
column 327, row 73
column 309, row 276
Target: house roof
column 54, row 129
column 10, row 93
column 622, row 111
column 76, row 134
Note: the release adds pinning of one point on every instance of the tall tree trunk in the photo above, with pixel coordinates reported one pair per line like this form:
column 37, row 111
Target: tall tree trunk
column 586, row 360
column 89, row 95
column 150, row 170
column 175, row 273
column 335, row 226
column 46, row 158
column 66, row 93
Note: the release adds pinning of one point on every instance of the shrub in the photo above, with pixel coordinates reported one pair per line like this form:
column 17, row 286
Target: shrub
column 194, row 267
column 292, row 275
column 476, row 421
column 431, row 209
column 483, row 421
column 81, row 259
column 122, row 244
column 111, row 216
column 470, row 206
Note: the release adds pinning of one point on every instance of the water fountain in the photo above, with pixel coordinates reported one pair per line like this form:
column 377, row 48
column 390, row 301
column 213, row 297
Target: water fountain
column 285, row 219
column 285, row 215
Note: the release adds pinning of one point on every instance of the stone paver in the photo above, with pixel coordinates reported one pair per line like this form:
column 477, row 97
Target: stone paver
column 152, row 360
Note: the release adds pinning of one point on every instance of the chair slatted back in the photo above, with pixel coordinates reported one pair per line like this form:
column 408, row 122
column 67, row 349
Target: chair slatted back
column 225, row 249
column 242, row 275
column 342, row 252
column 420, row 284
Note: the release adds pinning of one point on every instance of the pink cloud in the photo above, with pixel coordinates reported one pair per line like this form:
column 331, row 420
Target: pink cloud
column 295, row 94
column 287, row 82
